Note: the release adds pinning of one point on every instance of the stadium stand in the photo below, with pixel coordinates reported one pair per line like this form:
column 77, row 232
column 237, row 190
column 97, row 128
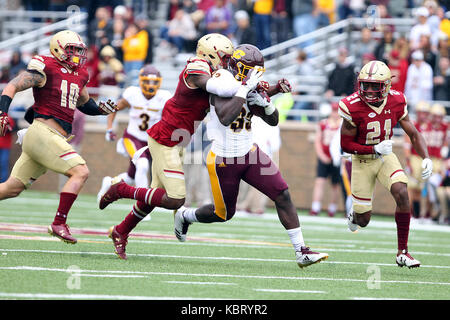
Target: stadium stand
column 393, row 28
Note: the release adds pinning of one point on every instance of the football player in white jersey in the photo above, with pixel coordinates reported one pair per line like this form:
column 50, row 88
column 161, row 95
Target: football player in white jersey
column 234, row 157
column 145, row 104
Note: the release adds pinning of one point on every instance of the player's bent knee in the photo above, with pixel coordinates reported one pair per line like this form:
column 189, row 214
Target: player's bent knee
column 400, row 193
column 11, row 188
column 283, row 199
column 171, row 203
column 81, row 172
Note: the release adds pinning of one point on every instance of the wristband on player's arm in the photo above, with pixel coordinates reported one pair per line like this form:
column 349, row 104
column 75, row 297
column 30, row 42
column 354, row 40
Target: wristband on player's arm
column 90, row 108
column 349, row 145
column 5, row 102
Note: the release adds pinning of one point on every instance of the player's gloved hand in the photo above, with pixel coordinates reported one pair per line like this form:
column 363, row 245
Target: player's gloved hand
column 249, row 83
column 110, row 135
column 258, row 98
column 283, row 86
column 108, row 106
column 427, row 168
column 4, row 123
column 262, row 86
column 384, row 147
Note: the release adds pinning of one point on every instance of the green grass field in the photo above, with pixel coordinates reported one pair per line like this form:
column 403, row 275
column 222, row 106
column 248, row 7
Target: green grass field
column 249, row 257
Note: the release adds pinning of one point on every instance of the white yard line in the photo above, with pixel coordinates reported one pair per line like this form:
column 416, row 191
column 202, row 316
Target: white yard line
column 289, row 291
column 203, row 275
column 372, row 298
column 201, row 257
column 202, row 283
column 94, row 297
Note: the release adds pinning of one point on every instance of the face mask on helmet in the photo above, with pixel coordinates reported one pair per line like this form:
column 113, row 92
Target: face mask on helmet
column 372, row 91
column 241, row 70
column 149, row 84
column 76, row 55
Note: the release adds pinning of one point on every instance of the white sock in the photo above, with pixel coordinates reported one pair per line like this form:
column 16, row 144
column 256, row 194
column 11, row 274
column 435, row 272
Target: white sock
column 315, row 206
column 141, row 178
column 126, row 178
column 332, row 207
column 296, row 238
column 189, row 215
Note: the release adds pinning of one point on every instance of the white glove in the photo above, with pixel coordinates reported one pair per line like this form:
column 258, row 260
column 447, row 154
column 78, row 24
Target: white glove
column 249, row 83
column 427, row 166
column 254, row 97
column 110, row 135
column 384, row 147
column 108, row 106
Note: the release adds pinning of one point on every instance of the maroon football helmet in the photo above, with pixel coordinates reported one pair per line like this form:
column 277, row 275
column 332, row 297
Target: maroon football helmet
column 244, row 58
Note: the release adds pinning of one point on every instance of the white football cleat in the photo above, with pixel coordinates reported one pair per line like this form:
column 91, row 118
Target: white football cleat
column 306, row 257
column 106, row 183
column 406, row 260
column 180, row 225
column 353, row 227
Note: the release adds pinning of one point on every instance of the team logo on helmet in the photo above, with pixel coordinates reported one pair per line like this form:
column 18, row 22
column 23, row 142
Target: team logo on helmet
column 245, row 58
column 149, row 80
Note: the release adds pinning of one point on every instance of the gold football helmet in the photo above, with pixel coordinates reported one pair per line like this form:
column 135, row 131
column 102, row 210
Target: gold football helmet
column 216, row 49
column 438, row 109
column 149, row 80
column 423, row 106
column 68, row 47
column 374, row 82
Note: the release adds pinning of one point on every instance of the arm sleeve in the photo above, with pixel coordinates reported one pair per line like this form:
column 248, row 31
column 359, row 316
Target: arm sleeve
column 90, row 108
column 222, row 84
column 349, row 145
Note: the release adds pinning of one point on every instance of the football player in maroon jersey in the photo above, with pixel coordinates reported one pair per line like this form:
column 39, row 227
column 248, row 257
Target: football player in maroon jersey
column 59, row 86
column 168, row 137
column 369, row 116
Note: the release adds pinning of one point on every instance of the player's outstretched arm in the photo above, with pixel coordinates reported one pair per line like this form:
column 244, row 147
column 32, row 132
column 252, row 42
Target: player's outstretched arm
column 88, row 106
column 110, row 134
column 282, row 86
column 419, row 144
column 416, row 138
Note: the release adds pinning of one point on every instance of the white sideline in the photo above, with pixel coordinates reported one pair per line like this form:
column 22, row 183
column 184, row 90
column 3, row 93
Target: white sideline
column 94, row 297
column 320, row 220
column 202, row 257
column 203, row 275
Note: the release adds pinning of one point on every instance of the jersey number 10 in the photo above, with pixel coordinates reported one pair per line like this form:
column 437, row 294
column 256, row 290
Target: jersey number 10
column 74, row 92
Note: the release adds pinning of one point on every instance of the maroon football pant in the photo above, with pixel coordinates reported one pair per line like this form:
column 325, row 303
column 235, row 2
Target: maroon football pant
column 255, row 168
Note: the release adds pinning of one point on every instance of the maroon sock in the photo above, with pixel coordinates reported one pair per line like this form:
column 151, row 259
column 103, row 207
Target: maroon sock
column 139, row 212
column 402, row 220
column 151, row 196
column 66, row 200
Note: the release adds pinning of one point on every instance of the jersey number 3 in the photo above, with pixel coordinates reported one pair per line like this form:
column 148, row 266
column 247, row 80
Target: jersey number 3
column 69, row 95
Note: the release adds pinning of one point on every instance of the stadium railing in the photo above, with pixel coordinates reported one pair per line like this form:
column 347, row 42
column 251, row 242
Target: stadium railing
column 322, row 48
column 39, row 38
